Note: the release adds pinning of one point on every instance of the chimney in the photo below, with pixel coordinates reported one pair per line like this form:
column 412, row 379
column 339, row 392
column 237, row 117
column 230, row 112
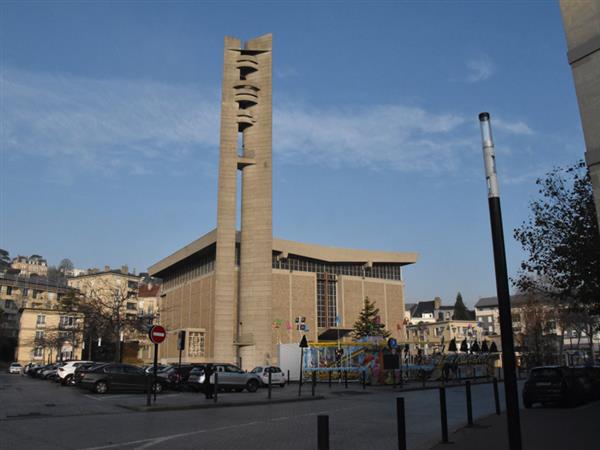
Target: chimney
column 124, row 269
column 437, row 302
column 107, row 268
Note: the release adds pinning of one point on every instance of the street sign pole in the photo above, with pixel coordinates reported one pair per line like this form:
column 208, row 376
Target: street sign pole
column 303, row 344
column 506, row 332
column 157, row 334
column 154, row 370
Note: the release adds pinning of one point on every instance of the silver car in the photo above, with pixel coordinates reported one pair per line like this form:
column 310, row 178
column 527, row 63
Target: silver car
column 230, row 378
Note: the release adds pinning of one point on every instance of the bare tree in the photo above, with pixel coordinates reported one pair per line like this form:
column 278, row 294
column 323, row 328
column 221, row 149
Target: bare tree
column 111, row 312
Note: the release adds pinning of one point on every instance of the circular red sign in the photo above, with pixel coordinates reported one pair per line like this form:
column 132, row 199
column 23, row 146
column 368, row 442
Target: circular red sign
column 157, row 334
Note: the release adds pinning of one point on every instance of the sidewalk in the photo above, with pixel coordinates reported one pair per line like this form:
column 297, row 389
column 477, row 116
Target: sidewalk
column 541, row 428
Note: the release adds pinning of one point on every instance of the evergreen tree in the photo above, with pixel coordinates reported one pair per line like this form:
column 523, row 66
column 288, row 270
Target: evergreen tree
column 484, row 347
column 452, row 346
column 493, row 348
column 460, row 310
column 463, row 346
column 368, row 323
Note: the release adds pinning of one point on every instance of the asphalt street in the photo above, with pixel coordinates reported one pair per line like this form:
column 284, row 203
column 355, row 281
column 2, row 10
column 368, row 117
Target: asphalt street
column 41, row 414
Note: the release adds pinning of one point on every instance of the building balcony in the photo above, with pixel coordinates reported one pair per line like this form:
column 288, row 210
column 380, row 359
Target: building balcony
column 245, row 119
column 247, row 64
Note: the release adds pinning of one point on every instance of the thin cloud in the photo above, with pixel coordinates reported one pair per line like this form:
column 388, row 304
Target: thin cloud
column 519, row 127
column 137, row 127
column 480, row 69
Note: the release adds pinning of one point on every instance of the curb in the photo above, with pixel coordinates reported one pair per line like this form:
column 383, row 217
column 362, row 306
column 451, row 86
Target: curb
column 218, row 405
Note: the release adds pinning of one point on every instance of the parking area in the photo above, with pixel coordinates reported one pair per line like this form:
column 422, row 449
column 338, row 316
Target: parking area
column 34, row 411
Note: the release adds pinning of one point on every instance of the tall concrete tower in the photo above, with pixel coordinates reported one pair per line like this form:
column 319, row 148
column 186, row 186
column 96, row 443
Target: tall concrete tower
column 243, row 297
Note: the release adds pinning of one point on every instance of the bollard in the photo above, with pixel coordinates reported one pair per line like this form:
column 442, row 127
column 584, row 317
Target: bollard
column 394, row 378
column 300, row 384
column 443, row 415
column 346, row 379
column 269, row 384
column 288, row 376
column 364, row 379
column 469, row 404
column 216, row 386
column 330, row 379
column 496, row 396
column 400, row 417
column 314, row 382
column 148, row 391
column 323, row 432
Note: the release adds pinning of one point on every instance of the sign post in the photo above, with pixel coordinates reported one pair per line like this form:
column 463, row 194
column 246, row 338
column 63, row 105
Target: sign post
column 180, row 344
column 157, row 335
column 303, row 344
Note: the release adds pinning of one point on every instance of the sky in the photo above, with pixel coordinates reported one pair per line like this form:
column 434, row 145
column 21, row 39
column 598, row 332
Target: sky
column 109, row 127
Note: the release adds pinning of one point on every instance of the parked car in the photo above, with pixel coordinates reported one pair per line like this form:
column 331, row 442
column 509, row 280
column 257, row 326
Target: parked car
column 175, row 377
column 66, row 373
column 15, row 368
column 159, row 368
column 196, row 378
column 108, row 377
column 277, row 376
column 85, row 366
column 29, row 367
column 555, row 384
column 37, row 371
column 589, row 377
column 50, row 372
column 230, row 378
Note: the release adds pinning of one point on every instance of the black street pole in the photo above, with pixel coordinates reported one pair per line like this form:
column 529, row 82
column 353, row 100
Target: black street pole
column 154, row 370
column 506, row 332
column 300, row 379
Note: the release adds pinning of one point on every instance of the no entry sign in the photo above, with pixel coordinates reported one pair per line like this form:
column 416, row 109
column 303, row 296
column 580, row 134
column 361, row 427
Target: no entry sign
column 157, row 334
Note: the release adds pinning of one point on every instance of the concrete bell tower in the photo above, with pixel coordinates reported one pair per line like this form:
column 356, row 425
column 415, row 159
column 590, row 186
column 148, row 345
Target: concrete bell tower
column 243, row 296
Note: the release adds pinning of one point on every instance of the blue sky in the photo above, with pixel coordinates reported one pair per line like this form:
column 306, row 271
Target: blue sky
column 109, row 129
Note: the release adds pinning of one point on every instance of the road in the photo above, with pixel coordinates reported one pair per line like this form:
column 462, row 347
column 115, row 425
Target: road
column 41, row 414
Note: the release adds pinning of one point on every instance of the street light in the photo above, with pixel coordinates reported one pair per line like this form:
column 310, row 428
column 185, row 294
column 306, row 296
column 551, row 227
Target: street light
column 508, row 352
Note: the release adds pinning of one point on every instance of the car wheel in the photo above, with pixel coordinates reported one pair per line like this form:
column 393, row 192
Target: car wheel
column 252, row 386
column 282, row 385
column 157, row 388
column 239, row 389
column 101, row 387
column 69, row 380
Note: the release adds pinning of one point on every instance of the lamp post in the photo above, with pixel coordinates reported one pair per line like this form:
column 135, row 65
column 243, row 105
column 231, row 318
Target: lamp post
column 508, row 352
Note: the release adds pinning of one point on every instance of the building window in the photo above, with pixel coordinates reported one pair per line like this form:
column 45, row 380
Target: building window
column 326, row 299
column 39, row 335
column 38, row 352
column 131, row 306
column 41, row 319
column 34, row 293
column 67, row 321
column 25, row 292
column 196, row 344
column 8, row 290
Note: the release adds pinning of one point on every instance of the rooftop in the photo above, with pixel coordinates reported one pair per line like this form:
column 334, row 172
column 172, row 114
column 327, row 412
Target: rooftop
column 488, row 302
column 285, row 248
